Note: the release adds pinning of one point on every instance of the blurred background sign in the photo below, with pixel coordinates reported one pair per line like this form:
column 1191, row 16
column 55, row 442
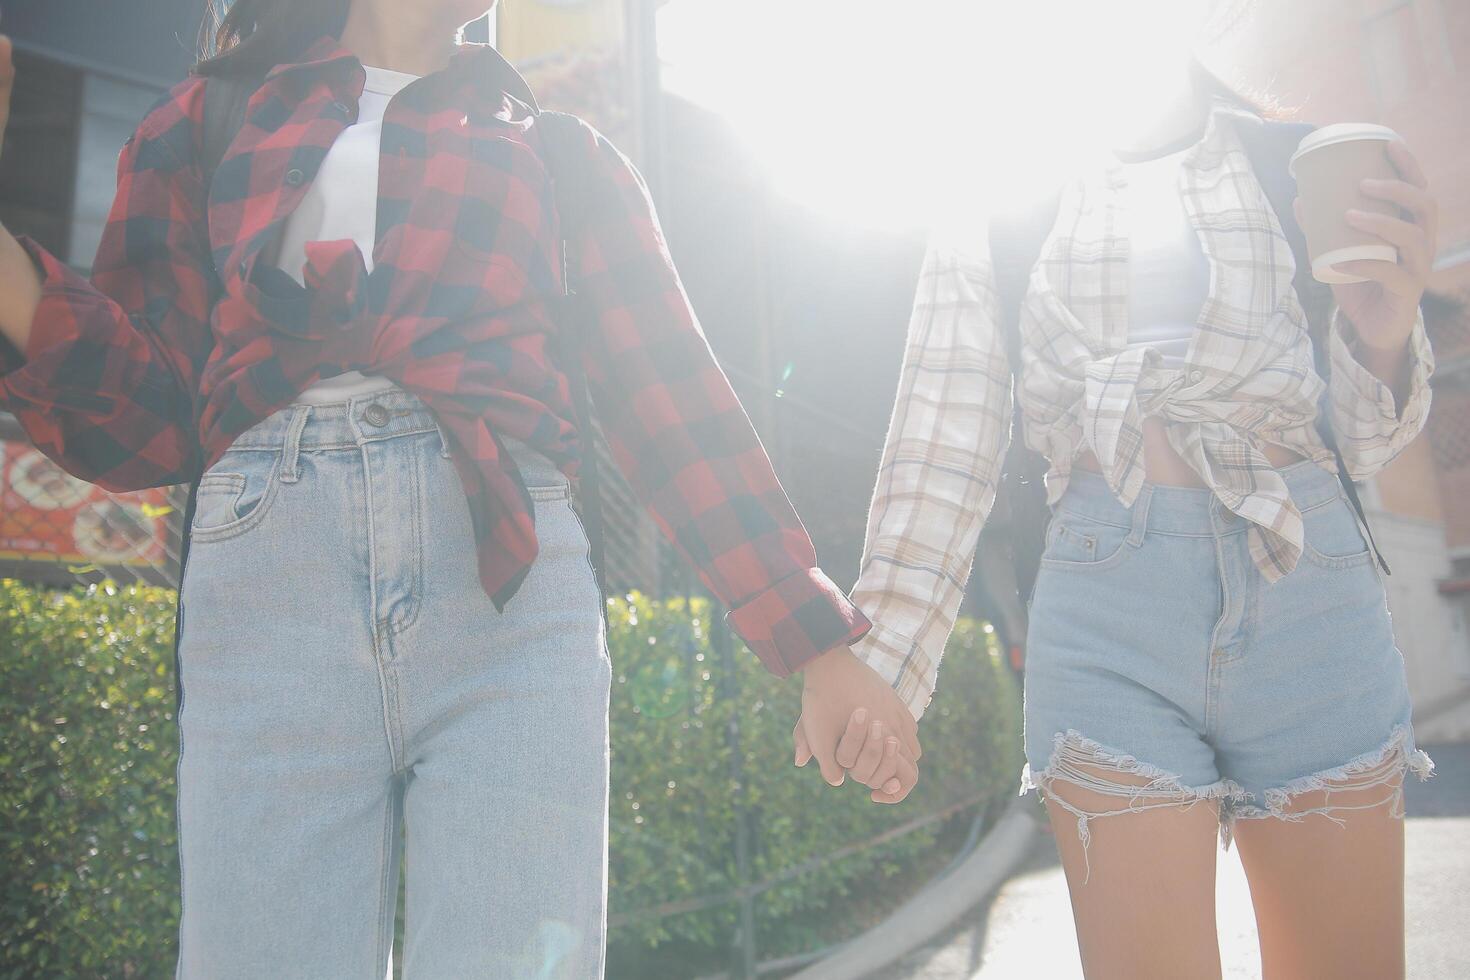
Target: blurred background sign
column 58, row 530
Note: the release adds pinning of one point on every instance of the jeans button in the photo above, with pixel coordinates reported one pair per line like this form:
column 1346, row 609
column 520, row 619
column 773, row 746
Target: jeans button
column 376, row 415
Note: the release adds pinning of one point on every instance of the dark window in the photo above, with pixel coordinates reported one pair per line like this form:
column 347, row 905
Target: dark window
column 38, row 168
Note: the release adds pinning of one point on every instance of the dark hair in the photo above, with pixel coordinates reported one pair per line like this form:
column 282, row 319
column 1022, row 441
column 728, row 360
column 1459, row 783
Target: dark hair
column 253, row 36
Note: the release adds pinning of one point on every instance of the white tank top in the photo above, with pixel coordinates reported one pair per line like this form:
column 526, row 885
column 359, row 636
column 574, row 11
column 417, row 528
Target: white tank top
column 343, row 203
column 1168, row 274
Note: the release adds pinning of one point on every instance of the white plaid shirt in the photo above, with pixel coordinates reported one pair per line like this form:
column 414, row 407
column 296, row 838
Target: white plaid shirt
column 1248, row 380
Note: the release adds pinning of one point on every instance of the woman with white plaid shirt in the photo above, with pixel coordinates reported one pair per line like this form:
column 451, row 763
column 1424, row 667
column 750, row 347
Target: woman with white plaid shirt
column 1209, row 647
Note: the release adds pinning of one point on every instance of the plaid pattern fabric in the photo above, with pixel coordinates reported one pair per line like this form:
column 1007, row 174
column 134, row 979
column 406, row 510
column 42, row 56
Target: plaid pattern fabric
column 186, row 337
column 1248, row 380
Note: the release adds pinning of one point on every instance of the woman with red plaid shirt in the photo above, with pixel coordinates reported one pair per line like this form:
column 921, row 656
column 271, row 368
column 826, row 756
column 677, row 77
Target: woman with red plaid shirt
column 391, row 615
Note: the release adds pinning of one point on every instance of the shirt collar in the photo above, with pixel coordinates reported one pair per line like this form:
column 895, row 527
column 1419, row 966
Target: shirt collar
column 478, row 64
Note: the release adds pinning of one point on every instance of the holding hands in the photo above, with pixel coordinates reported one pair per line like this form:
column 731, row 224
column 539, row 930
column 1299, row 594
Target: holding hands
column 852, row 722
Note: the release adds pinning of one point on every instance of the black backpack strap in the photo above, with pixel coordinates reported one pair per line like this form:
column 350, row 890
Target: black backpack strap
column 566, row 140
column 1016, row 240
column 1270, row 146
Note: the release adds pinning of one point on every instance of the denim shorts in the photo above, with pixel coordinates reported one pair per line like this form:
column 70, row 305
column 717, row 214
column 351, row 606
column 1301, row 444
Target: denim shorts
column 1158, row 649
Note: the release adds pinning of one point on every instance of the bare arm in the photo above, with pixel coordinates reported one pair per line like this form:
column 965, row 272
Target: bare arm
column 20, row 286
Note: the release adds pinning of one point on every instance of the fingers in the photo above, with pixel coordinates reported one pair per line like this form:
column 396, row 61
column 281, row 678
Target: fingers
column 884, row 777
column 870, row 759
column 897, row 789
column 851, row 743
column 910, row 736
column 1407, row 164
column 833, row 773
column 1415, row 200
column 1416, row 255
column 803, row 747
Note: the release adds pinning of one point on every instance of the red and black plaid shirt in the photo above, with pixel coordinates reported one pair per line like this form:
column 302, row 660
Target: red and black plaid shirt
column 186, row 336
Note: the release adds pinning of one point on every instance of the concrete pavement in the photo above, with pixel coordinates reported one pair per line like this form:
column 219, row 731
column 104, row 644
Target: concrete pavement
column 1025, row 931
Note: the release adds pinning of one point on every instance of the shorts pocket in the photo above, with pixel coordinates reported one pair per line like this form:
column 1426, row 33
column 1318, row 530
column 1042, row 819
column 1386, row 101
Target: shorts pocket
column 235, row 494
column 1076, row 542
column 1333, row 538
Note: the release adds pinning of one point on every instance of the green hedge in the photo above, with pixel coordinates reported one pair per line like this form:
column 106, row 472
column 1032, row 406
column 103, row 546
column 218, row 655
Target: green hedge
column 87, row 768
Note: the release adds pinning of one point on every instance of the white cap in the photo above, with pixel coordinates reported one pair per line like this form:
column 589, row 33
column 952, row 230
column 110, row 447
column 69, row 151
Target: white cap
column 1340, row 133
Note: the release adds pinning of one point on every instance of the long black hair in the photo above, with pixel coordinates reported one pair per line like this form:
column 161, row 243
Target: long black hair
column 253, row 36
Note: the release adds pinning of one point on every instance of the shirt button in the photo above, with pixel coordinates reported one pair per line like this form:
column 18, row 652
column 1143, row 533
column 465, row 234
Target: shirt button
column 1195, row 377
column 376, row 415
column 295, row 178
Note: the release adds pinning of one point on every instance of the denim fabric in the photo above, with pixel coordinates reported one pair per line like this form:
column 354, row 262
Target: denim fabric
column 351, row 696
column 1157, row 644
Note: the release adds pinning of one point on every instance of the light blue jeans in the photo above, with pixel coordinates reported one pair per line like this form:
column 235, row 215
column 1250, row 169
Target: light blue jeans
column 1158, row 649
column 352, row 697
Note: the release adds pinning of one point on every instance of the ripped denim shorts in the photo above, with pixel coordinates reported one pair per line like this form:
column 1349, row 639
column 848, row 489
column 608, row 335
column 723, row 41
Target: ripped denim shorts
column 1158, row 649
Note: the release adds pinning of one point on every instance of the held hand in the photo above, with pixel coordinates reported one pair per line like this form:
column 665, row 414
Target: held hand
column 1383, row 310
column 869, row 753
column 849, row 714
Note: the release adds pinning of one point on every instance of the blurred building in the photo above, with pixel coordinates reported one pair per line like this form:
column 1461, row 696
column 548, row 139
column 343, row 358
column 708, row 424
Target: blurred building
column 1405, row 64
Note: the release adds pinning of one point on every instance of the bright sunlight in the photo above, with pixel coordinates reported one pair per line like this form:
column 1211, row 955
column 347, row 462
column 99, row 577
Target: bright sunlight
column 886, row 114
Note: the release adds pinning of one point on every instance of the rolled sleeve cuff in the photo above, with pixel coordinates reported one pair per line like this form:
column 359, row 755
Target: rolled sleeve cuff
column 1363, row 386
column 1363, row 406
column 799, row 618
column 35, row 379
column 888, row 654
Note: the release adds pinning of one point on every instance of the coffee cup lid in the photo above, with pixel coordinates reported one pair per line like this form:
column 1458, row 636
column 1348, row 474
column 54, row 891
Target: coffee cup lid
column 1340, row 133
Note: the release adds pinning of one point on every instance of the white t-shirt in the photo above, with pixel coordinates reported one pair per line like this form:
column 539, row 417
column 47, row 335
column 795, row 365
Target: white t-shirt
column 343, row 203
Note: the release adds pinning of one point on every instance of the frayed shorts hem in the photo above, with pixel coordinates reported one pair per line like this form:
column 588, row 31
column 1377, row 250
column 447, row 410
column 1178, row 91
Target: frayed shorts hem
column 1078, row 761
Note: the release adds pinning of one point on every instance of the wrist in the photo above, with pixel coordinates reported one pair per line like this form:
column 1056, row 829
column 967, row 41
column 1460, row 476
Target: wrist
column 20, row 290
column 1391, row 340
column 825, row 663
column 1389, row 360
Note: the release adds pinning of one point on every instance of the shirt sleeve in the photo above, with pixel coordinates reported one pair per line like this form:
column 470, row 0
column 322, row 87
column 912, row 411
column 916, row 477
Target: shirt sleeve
column 106, row 383
column 940, row 468
column 680, row 436
column 1370, row 427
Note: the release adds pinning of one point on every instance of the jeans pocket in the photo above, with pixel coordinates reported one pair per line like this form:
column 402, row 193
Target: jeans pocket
column 1332, row 537
column 235, row 494
column 1077, row 542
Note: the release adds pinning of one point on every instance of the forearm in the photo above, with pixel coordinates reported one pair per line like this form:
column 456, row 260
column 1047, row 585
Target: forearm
column 20, row 291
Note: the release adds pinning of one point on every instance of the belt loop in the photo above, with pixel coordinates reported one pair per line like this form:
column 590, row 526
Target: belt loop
column 290, row 472
column 443, row 440
column 1140, row 515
